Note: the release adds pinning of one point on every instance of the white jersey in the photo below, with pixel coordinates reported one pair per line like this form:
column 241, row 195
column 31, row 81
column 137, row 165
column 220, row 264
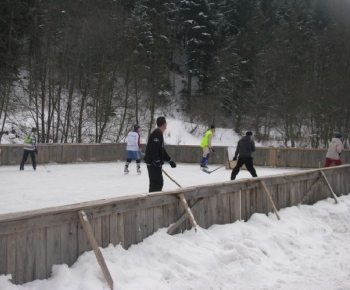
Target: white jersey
column 132, row 141
column 32, row 145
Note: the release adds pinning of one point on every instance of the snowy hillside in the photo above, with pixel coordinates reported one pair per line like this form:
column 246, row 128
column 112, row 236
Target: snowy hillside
column 178, row 133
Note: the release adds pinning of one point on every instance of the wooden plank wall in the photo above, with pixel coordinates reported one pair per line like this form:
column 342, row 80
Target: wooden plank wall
column 31, row 242
column 104, row 152
column 66, row 153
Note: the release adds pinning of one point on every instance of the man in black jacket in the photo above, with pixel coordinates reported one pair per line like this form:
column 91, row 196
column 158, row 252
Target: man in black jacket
column 244, row 150
column 156, row 155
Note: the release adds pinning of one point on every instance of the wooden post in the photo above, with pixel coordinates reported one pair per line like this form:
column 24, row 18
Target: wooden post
column 240, row 204
column 101, row 261
column 269, row 196
column 184, row 204
column 272, row 157
column 329, row 186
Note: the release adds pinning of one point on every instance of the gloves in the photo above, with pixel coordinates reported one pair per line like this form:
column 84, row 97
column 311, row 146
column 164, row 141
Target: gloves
column 172, row 164
column 36, row 151
column 234, row 158
column 211, row 150
column 157, row 163
column 141, row 152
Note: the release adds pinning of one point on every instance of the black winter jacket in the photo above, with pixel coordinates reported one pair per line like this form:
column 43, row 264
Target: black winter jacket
column 245, row 147
column 155, row 148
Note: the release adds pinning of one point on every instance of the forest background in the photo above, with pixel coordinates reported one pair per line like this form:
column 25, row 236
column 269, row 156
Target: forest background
column 86, row 70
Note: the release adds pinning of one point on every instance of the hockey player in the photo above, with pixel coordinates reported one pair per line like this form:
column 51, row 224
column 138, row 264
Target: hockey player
column 133, row 149
column 244, row 151
column 206, row 146
column 156, row 155
column 30, row 149
column 334, row 150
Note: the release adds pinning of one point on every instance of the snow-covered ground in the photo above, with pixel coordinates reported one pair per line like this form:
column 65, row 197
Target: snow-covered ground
column 307, row 249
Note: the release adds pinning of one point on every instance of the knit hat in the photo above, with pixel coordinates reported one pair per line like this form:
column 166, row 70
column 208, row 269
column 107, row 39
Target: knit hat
column 337, row 135
column 249, row 133
column 136, row 126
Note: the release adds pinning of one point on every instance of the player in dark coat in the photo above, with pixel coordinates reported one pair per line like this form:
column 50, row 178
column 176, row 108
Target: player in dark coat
column 156, row 155
column 244, row 151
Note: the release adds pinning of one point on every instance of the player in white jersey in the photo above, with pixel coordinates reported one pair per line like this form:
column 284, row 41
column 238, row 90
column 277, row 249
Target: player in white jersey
column 133, row 149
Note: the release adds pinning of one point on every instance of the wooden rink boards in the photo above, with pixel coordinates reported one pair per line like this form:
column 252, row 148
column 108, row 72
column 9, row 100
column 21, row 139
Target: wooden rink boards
column 32, row 242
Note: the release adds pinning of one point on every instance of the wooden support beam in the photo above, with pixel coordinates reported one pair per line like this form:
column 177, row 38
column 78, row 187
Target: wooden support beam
column 310, row 190
column 188, row 211
column 183, row 217
column 269, row 196
column 329, row 187
column 101, row 261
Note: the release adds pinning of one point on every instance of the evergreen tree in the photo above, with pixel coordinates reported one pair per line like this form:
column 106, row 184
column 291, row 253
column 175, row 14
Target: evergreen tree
column 196, row 36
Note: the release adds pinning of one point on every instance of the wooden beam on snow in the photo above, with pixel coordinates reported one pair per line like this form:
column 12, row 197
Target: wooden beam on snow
column 101, row 261
column 329, row 186
column 270, row 198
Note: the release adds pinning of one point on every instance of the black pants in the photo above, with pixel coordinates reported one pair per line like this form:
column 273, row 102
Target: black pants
column 248, row 162
column 25, row 157
column 155, row 178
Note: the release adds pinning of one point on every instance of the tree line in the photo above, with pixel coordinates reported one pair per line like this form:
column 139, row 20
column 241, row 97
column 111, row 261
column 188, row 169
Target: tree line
column 87, row 69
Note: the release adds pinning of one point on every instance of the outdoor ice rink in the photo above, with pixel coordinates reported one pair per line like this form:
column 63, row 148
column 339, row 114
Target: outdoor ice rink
column 62, row 184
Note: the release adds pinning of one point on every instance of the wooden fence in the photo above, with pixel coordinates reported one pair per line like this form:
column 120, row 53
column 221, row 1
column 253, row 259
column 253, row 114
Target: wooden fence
column 32, row 242
column 105, row 152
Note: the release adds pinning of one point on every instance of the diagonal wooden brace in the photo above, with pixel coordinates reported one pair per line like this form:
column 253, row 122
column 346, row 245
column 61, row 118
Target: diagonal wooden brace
column 188, row 211
column 101, row 261
column 184, row 204
column 329, row 186
column 269, row 197
column 183, row 217
column 310, row 190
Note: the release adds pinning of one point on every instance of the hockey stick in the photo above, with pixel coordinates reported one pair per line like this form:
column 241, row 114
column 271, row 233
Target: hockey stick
column 171, row 178
column 207, row 171
column 48, row 171
column 184, row 204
